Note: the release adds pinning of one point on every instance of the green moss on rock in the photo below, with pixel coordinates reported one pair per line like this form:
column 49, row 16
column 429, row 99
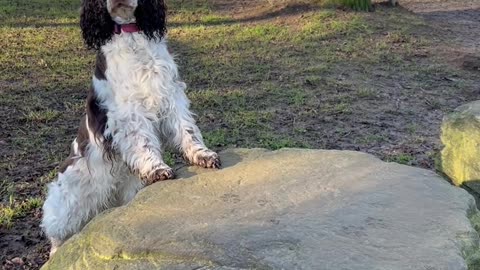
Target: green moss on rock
column 461, row 140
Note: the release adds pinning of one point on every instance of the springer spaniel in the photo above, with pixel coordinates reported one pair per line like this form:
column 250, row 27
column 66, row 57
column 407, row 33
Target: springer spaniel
column 135, row 107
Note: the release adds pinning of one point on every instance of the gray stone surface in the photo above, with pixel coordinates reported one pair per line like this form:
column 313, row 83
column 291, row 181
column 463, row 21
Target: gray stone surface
column 288, row 209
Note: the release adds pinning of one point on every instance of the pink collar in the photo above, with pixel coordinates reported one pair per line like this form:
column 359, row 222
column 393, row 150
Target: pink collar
column 126, row 28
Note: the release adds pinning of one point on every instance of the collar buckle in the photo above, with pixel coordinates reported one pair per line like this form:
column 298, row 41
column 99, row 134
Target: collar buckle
column 117, row 29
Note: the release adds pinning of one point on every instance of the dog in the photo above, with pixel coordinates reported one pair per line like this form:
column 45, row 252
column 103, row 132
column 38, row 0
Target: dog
column 135, row 107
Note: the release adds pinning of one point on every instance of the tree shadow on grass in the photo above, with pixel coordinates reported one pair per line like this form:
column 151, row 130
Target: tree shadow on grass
column 39, row 13
column 263, row 15
column 39, row 24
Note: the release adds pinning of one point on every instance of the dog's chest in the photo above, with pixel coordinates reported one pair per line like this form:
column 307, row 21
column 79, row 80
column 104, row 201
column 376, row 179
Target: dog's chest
column 141, row 74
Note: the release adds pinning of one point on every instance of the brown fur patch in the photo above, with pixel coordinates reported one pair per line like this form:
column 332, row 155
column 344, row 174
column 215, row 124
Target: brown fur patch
column 82, row 141
column 68, row 162
column 97, row 122
column 82, row 136
column 100, row 66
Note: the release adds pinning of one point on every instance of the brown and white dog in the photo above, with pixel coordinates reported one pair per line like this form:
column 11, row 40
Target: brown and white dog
column 136, row 106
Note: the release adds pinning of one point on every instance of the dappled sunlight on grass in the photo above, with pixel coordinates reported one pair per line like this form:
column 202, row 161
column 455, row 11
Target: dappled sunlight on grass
column 18, row 13
column 42, row 53
column 249, row 54
column 239, row 69
column 268, row 74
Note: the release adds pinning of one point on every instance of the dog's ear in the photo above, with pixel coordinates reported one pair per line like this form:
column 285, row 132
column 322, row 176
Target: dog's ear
column 150, row 16
column 96, row 24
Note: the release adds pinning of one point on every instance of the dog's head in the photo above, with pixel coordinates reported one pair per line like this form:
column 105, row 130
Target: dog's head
column 98, row 19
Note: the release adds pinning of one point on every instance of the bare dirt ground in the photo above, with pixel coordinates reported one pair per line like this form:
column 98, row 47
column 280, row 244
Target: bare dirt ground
column 458, row 21
column 421, row 60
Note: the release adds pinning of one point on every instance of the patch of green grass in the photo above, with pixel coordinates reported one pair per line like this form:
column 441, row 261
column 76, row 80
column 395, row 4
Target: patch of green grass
column 299, row 97
column 169, row 158
column 412, row 128
column 248, row 119
column 7, row 215
column 473, row 260
column 259, row 33
column 6, row 189
column 214, row 19
column 367, row 93
column 361, row 5
column 436, row 156
column 398, row 37
column 271, row 141
column 13, row 210
column 322, row 26
column 433, row 104
column 74, row 107
column 38, row 12
column 230, row 100
column 371, row 138
column 43, row 55
column 337, row 108
column 23, row 139
column 342, row 108
column 48, row 177
column 314, row 80
column 401, row 158
column 197, row 6
column 215, row 139
column 41, row 116
column 471, row 251
column 199, row 18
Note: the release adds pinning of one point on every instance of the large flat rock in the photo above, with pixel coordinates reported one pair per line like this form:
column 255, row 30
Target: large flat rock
column 288, row 209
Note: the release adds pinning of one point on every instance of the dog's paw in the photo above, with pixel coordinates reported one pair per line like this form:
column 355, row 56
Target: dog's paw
column 159, row 174
column 208, row 159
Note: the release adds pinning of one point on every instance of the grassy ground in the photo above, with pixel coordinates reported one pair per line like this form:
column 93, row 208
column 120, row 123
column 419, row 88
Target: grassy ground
column 260, row 73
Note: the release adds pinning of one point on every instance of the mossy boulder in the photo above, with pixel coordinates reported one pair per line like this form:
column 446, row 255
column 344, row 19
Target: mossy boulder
column 460, row 158
column 288, row 209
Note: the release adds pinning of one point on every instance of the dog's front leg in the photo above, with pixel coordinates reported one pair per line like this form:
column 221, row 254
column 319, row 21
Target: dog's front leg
column 188, row 138
column 139, row 145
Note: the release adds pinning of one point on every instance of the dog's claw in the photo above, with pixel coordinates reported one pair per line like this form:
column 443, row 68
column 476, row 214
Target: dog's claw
column 211, row 161
column 160, row 174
